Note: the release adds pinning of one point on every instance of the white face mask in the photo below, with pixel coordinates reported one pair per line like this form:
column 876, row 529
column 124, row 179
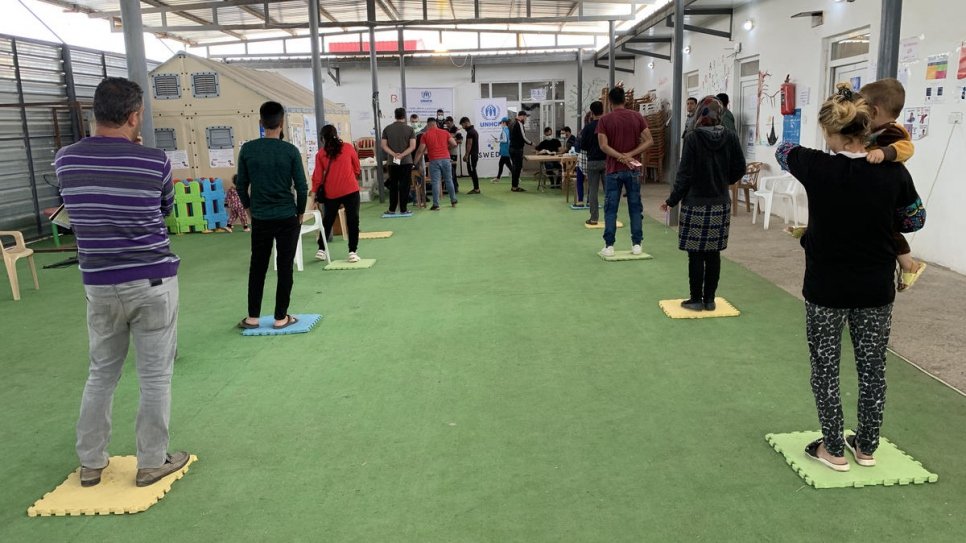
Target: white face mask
column 548, row 138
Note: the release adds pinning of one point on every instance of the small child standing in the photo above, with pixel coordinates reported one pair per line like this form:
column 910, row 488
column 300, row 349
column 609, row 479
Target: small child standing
column 890, row 141
column 236, row 211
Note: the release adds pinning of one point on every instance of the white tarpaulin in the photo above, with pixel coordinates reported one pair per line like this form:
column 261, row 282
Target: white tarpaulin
column 487, row 114
column 425, row 102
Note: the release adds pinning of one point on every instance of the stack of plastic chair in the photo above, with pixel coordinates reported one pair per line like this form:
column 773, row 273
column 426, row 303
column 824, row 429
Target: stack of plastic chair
column 216, row 216
column 188, row 208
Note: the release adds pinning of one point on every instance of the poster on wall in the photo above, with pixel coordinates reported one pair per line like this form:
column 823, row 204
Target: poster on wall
column 792, row 127
column 937, row 67
column 961, row 73
column 856, row 83
column 178, row 159
column 935, row 94
column 916, row 121
column 221, row 158
column 311, row 142
column 425, row 101
column 487, row 115
column 909, row 49
column 960, row 93
column 903, row 75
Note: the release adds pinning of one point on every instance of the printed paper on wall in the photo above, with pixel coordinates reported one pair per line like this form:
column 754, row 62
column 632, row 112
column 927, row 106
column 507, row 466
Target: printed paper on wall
column 937, row 67
column 916, row 121
column 178, row 159
column 909, row 49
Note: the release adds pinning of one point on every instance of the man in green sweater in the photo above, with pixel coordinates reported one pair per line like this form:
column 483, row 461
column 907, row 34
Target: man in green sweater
column 268, row 170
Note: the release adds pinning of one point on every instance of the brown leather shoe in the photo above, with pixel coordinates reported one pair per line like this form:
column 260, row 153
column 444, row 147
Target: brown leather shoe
column 173, row 463
column 91, row 476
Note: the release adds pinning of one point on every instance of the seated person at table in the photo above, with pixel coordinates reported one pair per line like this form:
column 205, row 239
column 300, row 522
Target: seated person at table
column 550, row 146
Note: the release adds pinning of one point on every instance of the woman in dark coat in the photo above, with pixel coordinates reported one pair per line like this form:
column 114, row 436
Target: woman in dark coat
column 711, row 161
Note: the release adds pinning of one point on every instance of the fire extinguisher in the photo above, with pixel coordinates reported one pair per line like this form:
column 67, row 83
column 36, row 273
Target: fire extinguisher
column 788, row 96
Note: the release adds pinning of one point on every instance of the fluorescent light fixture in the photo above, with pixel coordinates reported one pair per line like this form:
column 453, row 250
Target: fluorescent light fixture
column 749, row 24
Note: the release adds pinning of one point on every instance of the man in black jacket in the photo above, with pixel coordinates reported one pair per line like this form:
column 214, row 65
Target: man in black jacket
column 518, row 139
column 596, row 160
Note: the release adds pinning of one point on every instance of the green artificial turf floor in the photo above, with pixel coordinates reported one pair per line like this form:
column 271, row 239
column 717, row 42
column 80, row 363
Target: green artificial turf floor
column 491, row 379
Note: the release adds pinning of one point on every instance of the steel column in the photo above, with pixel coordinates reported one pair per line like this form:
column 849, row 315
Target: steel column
column 76, row 123
column 402, row 69
column 677, row 54
column 26, row 136
column 611, row 60
column 137, row 66
column 371, row 11
column 888, row 65
column 318, row 92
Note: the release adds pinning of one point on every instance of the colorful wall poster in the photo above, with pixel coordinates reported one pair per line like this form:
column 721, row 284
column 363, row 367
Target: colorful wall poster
column 961, row 74
column 916, row 121
column 909, row 49
column 935, row 94
column 792, row 127
column 937, row 67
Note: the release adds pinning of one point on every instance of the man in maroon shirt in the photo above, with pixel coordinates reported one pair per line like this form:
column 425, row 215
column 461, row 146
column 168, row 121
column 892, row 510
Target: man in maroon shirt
column 623, row 135
column 437, row 143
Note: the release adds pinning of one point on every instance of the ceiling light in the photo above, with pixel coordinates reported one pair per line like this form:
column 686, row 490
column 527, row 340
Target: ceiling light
column 650, row 64
column 687, row 50
column 749, row 24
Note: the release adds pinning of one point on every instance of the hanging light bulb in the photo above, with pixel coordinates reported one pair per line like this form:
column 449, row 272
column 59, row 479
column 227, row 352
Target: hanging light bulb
column 748, row 25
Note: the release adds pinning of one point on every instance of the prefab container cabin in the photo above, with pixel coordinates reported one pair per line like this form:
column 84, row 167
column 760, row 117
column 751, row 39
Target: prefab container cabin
column 204, row 111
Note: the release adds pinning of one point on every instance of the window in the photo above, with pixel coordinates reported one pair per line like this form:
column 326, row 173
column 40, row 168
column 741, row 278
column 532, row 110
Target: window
column 510, row 91
column 537, row 92
column 220, row 137
column 852, row 46
column 167, row 86
column 693, row 80
column 204, row 85
column 164, row 138
column 750, row 69
column 484, row 90
column 559, row 90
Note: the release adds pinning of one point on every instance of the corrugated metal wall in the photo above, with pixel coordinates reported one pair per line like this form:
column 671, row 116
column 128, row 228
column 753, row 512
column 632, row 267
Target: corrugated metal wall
column 36, row 117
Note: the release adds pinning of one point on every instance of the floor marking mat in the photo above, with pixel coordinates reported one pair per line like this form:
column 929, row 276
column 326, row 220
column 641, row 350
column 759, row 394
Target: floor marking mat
column 343, row 265
column 307, row 322
column 405, row 215
column 892, row 465
column 621, row 256
column 673, row 309
column 600, row 225
column 116, row 493
column 375, row 235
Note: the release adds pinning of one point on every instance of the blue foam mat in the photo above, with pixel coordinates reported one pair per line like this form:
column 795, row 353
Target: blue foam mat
column 406, row 215
column 306, row 322
column 583, row 208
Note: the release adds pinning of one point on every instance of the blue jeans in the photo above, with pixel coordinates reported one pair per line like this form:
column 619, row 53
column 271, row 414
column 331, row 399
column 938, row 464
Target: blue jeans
column 613, row 183
column 442, row 167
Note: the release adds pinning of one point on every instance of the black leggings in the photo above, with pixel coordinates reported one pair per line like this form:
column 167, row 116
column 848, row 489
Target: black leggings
column 509, row 166
column 704, row 271
column 351, row 202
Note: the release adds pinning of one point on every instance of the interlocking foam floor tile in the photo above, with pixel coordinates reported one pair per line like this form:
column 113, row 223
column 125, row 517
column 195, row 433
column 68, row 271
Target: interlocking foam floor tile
column 576, row 207
column 307, row 321
column 600, row 225
column 673, row 309
column 375, row 235
column 343, row 265
column 620, row 256
column 893, row 467
column 116, row 494
column 397, row 215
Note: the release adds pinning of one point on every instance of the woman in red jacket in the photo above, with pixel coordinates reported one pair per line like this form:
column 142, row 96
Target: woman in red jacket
column 335, row 182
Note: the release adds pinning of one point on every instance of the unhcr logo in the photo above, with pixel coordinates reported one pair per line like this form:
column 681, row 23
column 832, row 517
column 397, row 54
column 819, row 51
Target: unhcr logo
column 426, row 96
column 490, row 112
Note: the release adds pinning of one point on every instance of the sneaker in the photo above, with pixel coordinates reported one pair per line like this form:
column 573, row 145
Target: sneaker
column 434, row 208
column 607, row 251
column 693, row 305
column 91, row 476
column 353, row 258
column 474, row 191
column 636, row 250
column 590, row 222
column 495, row 180
column 389, row 212
column 710, row 306
column 811, row 451
column 172, row 463
column 518, row 189
column 320, row 255
column 453, row 204
column 867, row 462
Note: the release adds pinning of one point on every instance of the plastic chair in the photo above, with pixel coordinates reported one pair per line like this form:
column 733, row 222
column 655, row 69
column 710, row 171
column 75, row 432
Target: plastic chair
column 10, row 257
column 314, row 226
column 786, row 188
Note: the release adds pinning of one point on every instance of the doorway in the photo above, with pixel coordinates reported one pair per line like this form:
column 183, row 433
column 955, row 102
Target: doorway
column 747, row 107
column 848, row 60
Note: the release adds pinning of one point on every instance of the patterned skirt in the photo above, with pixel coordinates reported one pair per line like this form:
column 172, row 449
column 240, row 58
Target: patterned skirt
column 704, row 228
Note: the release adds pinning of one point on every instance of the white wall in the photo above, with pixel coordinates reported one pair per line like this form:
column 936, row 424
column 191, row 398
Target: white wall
column 792, row 46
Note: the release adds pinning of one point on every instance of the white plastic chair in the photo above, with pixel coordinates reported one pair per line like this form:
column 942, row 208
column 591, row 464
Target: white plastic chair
column 784, row 187
column 307, row 227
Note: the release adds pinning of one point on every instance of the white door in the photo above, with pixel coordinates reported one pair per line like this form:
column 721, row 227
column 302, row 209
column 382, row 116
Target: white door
column 856, row 74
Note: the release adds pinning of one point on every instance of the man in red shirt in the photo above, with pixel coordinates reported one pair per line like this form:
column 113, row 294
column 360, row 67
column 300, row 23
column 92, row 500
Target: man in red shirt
column 437, row 143
column 623, row 135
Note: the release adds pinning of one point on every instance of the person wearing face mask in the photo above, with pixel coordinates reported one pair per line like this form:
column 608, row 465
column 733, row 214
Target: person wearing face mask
column 550, row 145
column 414, row 122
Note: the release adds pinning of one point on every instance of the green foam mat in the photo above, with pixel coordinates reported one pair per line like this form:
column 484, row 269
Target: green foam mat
column 620, row 256
column 343, row 265
column 893, row 466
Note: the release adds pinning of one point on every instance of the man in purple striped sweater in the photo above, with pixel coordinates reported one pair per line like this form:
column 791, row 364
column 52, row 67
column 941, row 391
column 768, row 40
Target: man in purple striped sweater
column 117, row 194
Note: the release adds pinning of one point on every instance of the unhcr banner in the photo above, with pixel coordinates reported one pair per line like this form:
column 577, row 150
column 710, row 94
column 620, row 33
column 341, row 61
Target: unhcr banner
column 486, row 119
column 425, row 102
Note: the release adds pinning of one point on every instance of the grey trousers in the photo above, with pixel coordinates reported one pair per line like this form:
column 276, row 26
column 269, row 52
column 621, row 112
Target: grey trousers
column 594, row 175
column 115, row 314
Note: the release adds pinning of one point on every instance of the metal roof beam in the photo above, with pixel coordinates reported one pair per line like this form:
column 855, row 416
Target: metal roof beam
column 395, row 53
column 263, row 14
column 642, row 53
column 701, row 29
column 177, row 10
column 363, row 63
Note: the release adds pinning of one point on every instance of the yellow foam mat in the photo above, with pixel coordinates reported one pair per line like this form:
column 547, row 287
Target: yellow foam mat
column 600, row 225
column 375, row 235
column 115, row 494
column 673, row 309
